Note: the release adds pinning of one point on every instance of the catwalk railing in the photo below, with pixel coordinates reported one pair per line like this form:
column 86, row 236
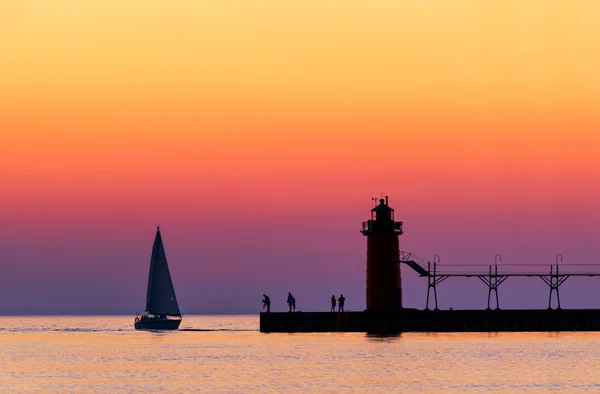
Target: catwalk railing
column 493, row 275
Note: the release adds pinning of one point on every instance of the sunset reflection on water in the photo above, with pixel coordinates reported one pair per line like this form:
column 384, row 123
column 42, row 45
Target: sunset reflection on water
column 105, row 354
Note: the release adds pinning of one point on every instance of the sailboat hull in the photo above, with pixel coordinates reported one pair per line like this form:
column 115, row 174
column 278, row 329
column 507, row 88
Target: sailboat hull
column 157, row 323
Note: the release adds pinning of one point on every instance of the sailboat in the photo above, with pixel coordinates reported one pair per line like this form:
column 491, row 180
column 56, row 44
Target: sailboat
column 161, row 303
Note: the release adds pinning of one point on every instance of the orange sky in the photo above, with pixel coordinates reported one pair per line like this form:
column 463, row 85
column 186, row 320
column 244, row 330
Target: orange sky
column 103, row 85
column 120, row 109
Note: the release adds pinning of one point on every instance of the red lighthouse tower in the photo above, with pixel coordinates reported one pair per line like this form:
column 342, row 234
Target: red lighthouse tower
column 384, row 287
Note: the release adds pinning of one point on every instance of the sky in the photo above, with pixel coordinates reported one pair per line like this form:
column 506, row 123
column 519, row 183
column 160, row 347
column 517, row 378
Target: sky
column 256, row 134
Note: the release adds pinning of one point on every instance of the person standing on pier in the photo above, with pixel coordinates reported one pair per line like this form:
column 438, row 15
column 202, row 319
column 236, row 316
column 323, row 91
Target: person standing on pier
column 290, row 300
column 294, row 303
column 333, row 301
column 267, row 302
column 341, row 301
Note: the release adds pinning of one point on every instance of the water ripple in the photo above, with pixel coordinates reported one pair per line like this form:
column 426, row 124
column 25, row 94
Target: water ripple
column 227, row 354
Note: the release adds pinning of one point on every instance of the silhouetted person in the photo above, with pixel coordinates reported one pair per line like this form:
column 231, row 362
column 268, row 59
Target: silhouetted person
column 267, row 302
column 290, row 300
column 294, row 303
column 333, row 303
column 341, row 303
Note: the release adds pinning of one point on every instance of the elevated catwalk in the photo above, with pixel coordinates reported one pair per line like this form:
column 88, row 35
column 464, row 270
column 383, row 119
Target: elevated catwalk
column 554, row 275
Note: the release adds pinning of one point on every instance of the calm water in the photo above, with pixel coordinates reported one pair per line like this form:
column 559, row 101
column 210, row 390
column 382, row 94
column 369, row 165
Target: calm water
column 105, row 354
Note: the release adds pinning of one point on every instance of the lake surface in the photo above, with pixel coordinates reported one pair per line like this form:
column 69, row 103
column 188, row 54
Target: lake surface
column 105, row 354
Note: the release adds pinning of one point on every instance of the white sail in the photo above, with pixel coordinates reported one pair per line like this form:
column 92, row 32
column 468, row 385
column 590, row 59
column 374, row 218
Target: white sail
column 160, row 299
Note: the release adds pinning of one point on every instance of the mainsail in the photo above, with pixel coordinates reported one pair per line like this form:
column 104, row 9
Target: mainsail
column 160, row 299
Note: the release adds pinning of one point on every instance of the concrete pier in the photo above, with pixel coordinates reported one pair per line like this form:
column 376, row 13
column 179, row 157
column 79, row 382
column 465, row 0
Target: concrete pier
column 412, row 320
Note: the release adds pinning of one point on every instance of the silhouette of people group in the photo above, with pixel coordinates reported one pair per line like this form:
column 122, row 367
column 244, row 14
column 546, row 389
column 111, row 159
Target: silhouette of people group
column 291, row 301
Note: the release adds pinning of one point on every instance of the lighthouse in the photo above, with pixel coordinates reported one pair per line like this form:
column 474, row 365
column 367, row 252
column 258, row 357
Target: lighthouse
column 384, row 288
